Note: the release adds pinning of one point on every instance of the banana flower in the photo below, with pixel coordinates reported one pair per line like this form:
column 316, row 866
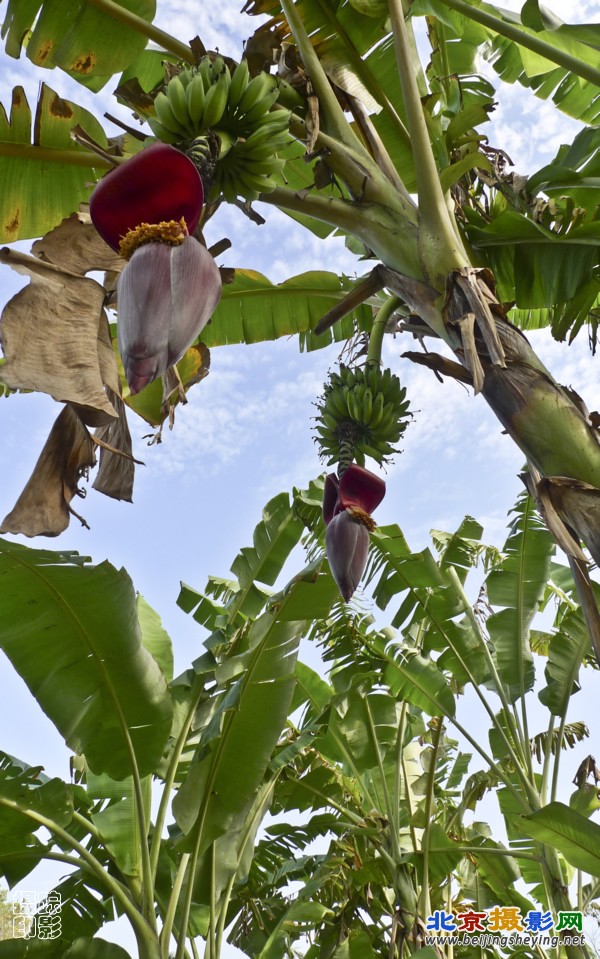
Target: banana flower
column 347, row 506
column 146, row 209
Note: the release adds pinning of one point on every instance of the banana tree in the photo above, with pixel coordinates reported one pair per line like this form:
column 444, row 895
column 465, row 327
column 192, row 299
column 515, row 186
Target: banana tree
column 350, row 132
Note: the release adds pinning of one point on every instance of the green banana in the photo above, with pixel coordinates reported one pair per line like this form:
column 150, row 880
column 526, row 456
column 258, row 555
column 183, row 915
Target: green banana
column 185, row 76
column 374, row 378
column 215, row 102
column 335, row 402
column 256, row 183
column 217, row 67
column 237, row 87
column 348, row 376
column 265, row 133
column 178, row 100
column 160, row 131
column 371, row 451
column 354, row 406
column 329, row 421
column 270, row 167
column 205, row 71
column 388, row 425
column 377, row 411
column 288, row 95
column 367, row 406
column 265, row 152
column 165, row 115
column 259, row 109
column 257, row 88
column 195, row 98
column 228, row 187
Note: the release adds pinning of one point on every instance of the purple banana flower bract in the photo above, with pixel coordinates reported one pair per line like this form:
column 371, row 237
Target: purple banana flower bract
column 347, row 506
column 159, row 183
column 357, row 487
column 331, row 499
column 166, row 295
column 347, row 542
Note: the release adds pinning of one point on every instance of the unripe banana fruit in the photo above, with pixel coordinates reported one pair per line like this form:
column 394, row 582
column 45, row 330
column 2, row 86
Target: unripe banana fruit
column 364, row 409
column 208, row 99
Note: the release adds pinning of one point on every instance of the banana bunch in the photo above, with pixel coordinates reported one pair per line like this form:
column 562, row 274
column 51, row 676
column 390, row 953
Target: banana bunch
column 193, row 101
column 250, row 166
column 363, row 412
column 208, row 100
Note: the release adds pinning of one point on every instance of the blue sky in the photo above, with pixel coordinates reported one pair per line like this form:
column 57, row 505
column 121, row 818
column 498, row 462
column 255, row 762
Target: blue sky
column 245, row 434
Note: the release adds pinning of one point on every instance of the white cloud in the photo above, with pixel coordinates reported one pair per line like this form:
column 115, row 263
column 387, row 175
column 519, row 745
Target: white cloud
column 252, row 405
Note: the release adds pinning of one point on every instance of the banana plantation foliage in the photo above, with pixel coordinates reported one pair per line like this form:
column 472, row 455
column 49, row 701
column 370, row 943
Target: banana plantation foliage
column 375, row 785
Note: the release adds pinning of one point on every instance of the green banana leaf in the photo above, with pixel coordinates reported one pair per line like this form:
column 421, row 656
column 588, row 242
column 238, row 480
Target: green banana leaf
column 300, row 915
column 311, row 689
column 419, row 681
column 274, row 538
column 86, row 42
column 575, row 836
column 85, row 907
column 72, row 633
column 252, row 309
column 232, row 854
column 32, row 949
column 82, row 948
column 117, row 822
column 19, row 856
column 329, row 22
column 575, row 170
column 443, row 857
column 576, row 97
column 24, row 795
column 515, row 62
column 357, row 946
column 255, row 686
column 432, row 603
column 498, row 872
column 568, row 646
column 95, row 948
column 45, row 175
column 517, row 585
column 566, row 320
column 234, row 752
column 366, row 722
column 542, row 269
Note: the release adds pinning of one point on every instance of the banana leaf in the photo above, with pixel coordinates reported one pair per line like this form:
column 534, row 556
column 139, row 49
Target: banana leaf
column 87, row 43
column 252, row 309
column 72, row 633
column 45, row 174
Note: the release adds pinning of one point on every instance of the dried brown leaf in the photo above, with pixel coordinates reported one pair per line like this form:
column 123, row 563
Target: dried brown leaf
column 116, row 470
column 55, row 338
column 472, row 291
column 466, row 325
column 77, row 247
column 541, row 490
column 312, row 120
column 43, row 508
